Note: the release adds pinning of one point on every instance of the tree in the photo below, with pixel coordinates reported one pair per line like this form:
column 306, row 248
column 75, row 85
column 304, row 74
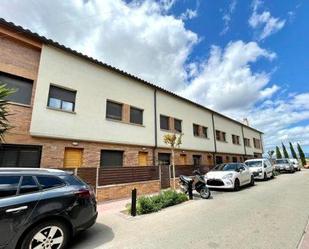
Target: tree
column 301, row 154
column 271, row 153
column 173, row 141
column 278, row 153
column 293, row 153
column 285, row 153
column 4, row 123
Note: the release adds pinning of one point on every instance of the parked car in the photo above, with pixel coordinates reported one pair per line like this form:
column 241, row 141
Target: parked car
column 229, row 176
column 284, row 165
column 43, row 208
column 260, row 168
column 295, row 164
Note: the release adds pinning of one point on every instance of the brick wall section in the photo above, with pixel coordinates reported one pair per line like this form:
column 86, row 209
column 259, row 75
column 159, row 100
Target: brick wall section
column 17, row 58
column 120, row 191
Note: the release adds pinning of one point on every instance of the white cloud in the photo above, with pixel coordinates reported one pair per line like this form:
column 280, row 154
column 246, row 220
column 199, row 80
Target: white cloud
column 139, row 37
column 188, row 14
column 264, row 22
column 227, row 17
column 226, row 81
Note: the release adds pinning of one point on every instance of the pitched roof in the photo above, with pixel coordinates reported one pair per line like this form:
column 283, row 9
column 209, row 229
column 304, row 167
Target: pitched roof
column 44, row 40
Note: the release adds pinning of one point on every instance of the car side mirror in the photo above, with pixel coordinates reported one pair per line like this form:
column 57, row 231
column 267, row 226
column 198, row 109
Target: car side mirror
column 265, row 166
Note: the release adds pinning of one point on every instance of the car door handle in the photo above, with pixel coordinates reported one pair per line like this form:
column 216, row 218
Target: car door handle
column 14, row 210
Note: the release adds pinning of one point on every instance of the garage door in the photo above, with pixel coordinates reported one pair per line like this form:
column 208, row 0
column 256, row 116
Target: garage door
column 20, row 156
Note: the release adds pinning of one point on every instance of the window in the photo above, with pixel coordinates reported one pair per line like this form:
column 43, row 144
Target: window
column 197, row 160
column 177, row 125
column 28, row 185
column 62, row 99
column 8, row 185
column 113, row 110
column 48, row 182
column 234, row 159
column 247, row 142
column 196, row 130
column 22, row 86
column 164, row 122
column 257, row 143
column 220, row 136
column 20, row 156
column 235, row 139
column 204, row 131
column 164, row 158
column 136, row 115
column 112, row 158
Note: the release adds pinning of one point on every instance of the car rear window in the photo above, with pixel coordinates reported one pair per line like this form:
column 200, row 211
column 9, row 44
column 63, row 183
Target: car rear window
column 72, row 180
column 8, row 185
column 48, row 182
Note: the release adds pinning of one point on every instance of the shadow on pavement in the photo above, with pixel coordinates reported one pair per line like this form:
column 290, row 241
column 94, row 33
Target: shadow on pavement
column 95, row 236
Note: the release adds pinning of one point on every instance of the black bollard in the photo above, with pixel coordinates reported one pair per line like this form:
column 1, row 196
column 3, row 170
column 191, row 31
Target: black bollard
column 190, row 190
column 133, row 202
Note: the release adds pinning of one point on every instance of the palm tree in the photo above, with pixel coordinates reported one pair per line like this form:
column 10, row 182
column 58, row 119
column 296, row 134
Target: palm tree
column 4, row 124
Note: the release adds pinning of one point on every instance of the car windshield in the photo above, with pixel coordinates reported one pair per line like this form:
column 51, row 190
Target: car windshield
column 226, row 167
column 281, row 161
column 254, row 163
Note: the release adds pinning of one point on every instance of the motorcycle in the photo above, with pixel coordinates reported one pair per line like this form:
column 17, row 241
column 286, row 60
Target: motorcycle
column 198, row 184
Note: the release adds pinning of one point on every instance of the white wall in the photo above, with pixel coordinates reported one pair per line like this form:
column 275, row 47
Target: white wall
column 248, row 133
column 171, row 106
column 229, row 127
column 94, row 84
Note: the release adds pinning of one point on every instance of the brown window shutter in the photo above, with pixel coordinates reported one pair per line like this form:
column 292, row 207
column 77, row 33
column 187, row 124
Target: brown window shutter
column 126, row 113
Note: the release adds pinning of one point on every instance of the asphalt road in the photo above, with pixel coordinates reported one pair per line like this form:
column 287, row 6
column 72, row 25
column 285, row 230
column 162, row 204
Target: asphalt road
column 272, row 214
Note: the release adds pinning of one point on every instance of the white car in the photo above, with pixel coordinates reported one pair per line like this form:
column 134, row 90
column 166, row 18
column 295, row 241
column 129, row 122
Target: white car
column 295, row 163
column 261, row 168
column 229, row 176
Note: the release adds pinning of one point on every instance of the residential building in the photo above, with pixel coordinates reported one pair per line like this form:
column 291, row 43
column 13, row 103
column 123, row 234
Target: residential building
column 74, row 111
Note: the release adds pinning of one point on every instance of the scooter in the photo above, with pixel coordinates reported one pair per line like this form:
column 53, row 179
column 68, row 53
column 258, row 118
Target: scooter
column 197, row 183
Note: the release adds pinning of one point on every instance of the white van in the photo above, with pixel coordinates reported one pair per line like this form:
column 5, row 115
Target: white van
column 261, row 168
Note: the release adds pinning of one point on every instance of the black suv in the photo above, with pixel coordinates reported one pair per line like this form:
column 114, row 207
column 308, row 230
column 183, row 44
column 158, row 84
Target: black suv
column 43, row 208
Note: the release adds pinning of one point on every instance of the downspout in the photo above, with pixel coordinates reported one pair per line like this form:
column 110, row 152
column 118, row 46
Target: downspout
column 261, row 141
column 243, row 139
column 155, row 127
column 215, row 143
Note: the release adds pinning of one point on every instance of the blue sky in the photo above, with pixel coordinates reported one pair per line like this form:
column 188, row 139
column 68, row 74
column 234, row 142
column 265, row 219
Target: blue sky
column 247, row 59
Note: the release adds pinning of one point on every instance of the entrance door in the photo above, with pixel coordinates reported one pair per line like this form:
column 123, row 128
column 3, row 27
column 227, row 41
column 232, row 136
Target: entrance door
column 197, row 160
column 72, row 157
column 164, row 160
column 183, row 159
column 142, row 158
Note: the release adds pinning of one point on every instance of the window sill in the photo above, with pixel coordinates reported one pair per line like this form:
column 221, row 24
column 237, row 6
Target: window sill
column 18, row 104
column 201, row 137
column 60, row 110
column 222, row 141
column 122, row 122
column 237, row 144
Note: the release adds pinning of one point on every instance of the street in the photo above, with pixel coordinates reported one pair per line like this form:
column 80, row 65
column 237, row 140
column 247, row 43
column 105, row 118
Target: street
column 272, row 214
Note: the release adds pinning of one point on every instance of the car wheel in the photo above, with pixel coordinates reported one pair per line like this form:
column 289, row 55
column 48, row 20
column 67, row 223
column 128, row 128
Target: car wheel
column 265, row 176
column 236, row 185
column 272, row 175
column 252, row 181
column 205, row 193
column 49, row 234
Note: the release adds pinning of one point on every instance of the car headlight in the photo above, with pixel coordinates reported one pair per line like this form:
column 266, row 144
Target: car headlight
column 228, row 176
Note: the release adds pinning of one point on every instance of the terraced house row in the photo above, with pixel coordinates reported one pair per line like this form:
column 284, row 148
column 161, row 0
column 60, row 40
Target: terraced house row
column 74, row 111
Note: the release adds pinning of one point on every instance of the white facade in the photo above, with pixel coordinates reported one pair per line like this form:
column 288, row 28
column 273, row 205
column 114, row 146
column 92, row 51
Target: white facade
column 230, row 128
column 174, row 107
column 94, row 85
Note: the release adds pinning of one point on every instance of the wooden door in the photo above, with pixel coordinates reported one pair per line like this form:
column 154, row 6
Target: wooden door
column 142, row 158
column 183, row 159
column 72, row 157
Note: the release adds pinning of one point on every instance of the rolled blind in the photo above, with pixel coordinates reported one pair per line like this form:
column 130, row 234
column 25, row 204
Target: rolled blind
column 62, row 94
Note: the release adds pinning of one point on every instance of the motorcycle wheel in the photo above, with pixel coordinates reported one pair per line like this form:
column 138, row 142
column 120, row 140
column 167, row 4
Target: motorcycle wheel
column 205, row 193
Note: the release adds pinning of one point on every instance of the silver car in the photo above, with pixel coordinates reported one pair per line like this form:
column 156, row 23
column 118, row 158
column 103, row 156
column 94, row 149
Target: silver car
column 284, row 165
column 295, row 164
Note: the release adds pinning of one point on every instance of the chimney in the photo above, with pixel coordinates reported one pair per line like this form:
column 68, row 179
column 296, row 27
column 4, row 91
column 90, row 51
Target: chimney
column 245, row 121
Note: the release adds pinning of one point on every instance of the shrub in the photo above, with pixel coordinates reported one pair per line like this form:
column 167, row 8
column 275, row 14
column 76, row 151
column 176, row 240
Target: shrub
column 150, row 204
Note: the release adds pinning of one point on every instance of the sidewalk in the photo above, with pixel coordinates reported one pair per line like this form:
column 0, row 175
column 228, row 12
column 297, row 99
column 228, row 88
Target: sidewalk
column 304, row 243
column 114, row 206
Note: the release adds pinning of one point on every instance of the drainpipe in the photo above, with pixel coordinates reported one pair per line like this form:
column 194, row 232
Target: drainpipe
column 261, row 141
column 215, row 143
column 243, row 139
column 155, row 127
